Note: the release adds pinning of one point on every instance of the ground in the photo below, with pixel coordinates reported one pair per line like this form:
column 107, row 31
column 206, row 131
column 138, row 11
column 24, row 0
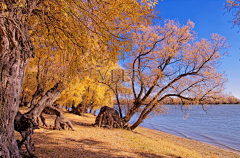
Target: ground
column 88, row 141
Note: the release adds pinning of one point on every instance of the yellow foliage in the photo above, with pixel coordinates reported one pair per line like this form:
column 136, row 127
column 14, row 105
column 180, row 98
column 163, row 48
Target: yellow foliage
column 72, row 37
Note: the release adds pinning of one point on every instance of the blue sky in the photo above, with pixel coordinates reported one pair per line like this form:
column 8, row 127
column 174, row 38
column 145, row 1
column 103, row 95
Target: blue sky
column 209, row 18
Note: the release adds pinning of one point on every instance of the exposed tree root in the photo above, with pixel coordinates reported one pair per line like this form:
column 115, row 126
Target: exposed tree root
column 79, row 110
column 61, row 122
column 25, row 126
column 109, row 118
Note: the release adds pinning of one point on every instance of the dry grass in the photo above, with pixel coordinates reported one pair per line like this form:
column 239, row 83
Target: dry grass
column 88, row 141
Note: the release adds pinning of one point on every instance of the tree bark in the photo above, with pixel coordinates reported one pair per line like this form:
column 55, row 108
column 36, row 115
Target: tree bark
column 43, row 120
column 38, row 93
column 119, row 107
column 108, row 117
column 61, row 122
column 79, row 110
column 131, row 112
column 137, row 123
column 15, row 50
column 47, row 100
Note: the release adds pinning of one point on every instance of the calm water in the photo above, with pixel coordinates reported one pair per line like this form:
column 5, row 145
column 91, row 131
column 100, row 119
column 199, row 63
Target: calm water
column 219, row 126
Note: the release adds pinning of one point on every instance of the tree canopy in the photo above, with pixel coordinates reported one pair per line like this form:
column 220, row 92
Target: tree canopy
column 170, row 62
column 71, row 35
column 233, row 6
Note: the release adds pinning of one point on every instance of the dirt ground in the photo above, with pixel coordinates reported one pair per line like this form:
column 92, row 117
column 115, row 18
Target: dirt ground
column 88, row 141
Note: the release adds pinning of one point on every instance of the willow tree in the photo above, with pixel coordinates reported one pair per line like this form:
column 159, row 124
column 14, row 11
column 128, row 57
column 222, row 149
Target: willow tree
column 67, row 24
column 116, row 79
column 86, row 94
column 170, row 62
column 233, row 6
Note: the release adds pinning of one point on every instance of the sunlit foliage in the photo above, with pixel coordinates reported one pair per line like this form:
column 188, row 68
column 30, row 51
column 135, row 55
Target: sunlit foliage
column 233, row 6
column 169, row 61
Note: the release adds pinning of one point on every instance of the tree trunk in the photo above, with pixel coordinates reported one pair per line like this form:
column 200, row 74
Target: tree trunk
column 25, row 127
column 15, row 50
column 38, row 93
column 46, row 103
column 41, row 83
column 143, row 115
column 43, row 120
column 108, row 117
column 119, row 108
column 90, row 109
column 61, row 122
column 79, row 110
column 131, row 112
column 137, row 123
column 94, row 112
column 47, row 100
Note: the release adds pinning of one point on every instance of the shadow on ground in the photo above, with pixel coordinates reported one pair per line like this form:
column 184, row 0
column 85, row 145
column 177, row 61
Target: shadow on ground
column 61, row 144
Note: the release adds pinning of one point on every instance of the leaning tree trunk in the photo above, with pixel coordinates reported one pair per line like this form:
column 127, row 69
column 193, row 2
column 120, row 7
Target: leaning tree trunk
column 45, row 103
column 119, row 107
column 61, row 122
column 137, row 123
column 146, row 111
column 38, row 93
column 15, row 50
column 47, row 100
column 131, row 112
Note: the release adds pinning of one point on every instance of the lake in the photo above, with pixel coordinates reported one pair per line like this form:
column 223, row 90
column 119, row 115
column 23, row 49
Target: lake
column 220, row 125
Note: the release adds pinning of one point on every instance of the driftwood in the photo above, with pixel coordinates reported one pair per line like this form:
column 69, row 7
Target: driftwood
column 109, row 118
column 25, row 126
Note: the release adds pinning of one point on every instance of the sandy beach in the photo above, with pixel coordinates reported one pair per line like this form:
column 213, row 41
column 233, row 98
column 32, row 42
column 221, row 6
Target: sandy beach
column 88, row 141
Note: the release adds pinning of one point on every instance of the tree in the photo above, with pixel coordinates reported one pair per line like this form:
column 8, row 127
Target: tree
column 43, row 73
column 55, row 17
column 234, row 7
column 86, row 94
column 169, row 62
column 16, row 48
column 116, row 80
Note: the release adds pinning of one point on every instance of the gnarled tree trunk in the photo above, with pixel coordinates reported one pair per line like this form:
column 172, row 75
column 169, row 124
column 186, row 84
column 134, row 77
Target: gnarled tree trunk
column 79, row 110
column 47, row 100
column 45, row 103
column 38, row 93
column 25, row 127
column 61, row 122
column 131, row 112
column 108, row 117
column 15, row 50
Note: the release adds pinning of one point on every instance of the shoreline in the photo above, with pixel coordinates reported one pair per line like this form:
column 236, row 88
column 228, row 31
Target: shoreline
column 89, row 141
column 189, row 138
column 222, row 147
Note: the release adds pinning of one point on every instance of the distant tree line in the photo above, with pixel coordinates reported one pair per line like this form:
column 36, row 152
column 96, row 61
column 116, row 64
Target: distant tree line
column 227, row 99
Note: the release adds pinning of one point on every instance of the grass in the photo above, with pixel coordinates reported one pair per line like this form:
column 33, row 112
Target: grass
column 88, row 141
